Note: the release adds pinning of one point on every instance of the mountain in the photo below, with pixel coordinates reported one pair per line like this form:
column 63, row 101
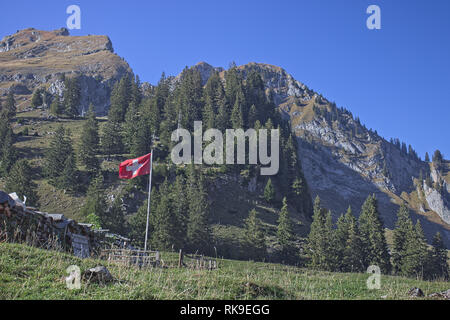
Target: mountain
column 31, row 59
column 343, row 161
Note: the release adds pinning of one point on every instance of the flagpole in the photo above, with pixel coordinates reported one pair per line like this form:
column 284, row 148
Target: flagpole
column 149, row 194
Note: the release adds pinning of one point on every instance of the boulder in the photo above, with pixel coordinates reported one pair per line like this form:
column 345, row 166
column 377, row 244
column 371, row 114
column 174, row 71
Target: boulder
column 416, row 292
column 99, row 274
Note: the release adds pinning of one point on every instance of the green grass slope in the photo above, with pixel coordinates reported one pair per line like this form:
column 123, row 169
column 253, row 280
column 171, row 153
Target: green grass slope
column 30, row 273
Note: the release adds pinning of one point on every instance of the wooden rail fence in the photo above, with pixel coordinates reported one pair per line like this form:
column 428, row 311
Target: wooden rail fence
column 138, row 258
column 196, row 261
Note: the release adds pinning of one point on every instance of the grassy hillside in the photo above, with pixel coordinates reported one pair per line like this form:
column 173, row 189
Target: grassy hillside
column 30, row 273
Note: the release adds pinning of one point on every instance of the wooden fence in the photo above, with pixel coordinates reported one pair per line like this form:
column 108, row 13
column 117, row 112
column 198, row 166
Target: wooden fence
column 128, row 257
column 196, row 261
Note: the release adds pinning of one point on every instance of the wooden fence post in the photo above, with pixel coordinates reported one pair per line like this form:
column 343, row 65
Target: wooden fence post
column 180, row 259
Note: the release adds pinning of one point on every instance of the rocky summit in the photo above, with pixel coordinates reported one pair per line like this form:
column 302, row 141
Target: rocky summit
column 33, row 58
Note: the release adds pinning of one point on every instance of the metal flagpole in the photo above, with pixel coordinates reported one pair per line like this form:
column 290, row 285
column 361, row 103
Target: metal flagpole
column 149, row 194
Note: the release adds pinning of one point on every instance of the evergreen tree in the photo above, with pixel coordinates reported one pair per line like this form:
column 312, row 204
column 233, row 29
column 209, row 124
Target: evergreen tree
column 437, row 159
column 72, row 96
column 164, row 221
column 414, row 263
column 353, row 255
column 269, row 191
column 36, row 99
column 285, row 233
column 320, row 249
column 111, row 140
column 89, row 142
column 198, row 233
column 10, row 106
column 138, row 221
column 120, row 99
column 438, row 260
column 342, row 236
column 142, row 140
column 252, row 116
column 55, row 158
column 56, row 108
column 114, row 218
column 19, row 181
column 130, row 127
column 427, row 157
column 96, row 199
column 68, row 178
column 402, row 227
column 237, row 116
column 180, row 208
column 255, row 236
column 8, row 153
column 372, row 234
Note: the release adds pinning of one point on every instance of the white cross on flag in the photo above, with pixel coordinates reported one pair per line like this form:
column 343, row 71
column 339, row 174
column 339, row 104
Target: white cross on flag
column 133, row 168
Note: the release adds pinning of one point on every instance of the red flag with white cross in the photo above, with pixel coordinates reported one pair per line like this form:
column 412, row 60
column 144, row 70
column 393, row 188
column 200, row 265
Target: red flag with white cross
column 133, row 168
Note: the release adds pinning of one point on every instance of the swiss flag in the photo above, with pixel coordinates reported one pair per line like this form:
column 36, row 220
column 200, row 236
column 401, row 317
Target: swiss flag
column 133, row 168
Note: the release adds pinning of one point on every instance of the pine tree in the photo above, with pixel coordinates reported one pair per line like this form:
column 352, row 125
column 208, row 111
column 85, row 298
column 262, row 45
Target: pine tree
column 111, row 140
column 19, row 181
column 269, row 191
column 72, row 96
column 414, row 263
column 10, row 106
column 114, row 218
column 89, row 142
column 255, row 236
column 285, row 233
column 36, row 99
column 352, row 260
column 320, row 249
column 252, row 116
column 130, row 127
column 438, row 260
column 402, row 227
column 120, row 99
column 237, row 116
column 96, row 199
column 138, row 221
column 56, row 108
column 142, row 140
column 180, row 209
column 164, row 221
column 427, row 157
column 55, row 158
column 372, row 234
column 198, row 233
column 342, row 236
column 68, row 178
column 8, row 153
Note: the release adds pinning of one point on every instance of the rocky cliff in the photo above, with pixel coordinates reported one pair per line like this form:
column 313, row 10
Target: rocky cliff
column 344, row 161
column 31, row 59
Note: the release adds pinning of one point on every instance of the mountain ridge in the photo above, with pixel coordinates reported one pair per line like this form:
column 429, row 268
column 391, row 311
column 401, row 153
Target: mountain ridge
column 343, row 161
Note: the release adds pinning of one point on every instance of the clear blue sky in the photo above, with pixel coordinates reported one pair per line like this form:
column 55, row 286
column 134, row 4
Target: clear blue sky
column 397, row 79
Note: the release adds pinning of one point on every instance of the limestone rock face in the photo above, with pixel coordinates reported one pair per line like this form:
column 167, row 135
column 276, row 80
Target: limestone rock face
column 33, row 58
column 438, row 201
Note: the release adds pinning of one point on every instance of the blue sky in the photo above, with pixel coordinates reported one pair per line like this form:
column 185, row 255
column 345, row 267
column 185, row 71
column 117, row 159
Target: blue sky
column 397, row 79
